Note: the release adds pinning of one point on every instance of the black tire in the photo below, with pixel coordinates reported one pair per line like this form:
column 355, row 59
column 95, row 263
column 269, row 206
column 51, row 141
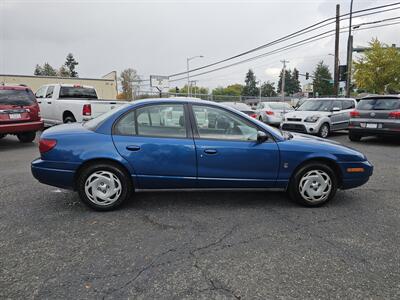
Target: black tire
column 354, row 137
column 69, row 119
column 260, row 119
column 27, row 137
column 124, row 179
column 296, row 182
column 2, row 135
column 322, row 133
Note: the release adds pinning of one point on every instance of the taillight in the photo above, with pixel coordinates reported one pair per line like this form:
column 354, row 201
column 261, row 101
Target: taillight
column 87, row 110
column 46, row 145
column 394, row 115
column 253, row 116
column 269, row 112
column 354, row 114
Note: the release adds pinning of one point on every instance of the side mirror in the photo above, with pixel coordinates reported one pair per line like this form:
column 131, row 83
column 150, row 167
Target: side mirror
column 336, row 109
column 261, row 136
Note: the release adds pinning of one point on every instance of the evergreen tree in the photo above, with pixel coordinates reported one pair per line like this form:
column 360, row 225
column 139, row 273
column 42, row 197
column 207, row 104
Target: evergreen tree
column 295, row 84
column 48, row 70
column 288, row 82
column 268, row 89
column 70, row 63
column 322, row 78
column 38, row 70
column 250, row 88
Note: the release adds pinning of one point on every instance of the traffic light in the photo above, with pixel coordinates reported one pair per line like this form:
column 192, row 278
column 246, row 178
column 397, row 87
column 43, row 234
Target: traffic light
column 342, row 72
column 307, row 75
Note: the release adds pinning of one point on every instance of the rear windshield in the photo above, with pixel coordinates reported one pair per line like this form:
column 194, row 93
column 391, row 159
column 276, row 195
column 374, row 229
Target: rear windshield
column 67, row 92
column 280, row 106
column 379, row 104
column 17, row 97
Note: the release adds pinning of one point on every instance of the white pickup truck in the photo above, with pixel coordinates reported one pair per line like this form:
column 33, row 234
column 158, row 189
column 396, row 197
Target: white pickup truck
column 67, row 103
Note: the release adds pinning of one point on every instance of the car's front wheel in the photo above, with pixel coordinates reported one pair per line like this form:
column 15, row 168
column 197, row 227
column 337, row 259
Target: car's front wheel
column 324, row 130
column 104, row 186
column 313, row 185
column 26, row 137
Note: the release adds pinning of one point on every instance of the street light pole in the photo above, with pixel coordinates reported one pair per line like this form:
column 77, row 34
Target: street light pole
column 349, row 52
column 187, row 71
column 283, row 79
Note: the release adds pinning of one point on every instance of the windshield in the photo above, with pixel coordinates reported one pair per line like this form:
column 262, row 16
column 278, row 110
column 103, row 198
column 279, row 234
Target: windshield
column 67, row 92
column 94, row 123
column 379, row 104
column 280, row 106
column 17, row 97
column 316, row 105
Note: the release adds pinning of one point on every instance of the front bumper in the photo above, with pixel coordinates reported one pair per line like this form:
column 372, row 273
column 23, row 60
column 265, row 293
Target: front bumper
column 21, row 127
column 302, row 127
column 352, row 180
column 54, row 174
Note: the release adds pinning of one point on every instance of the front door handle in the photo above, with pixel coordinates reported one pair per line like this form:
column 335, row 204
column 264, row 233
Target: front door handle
column 133, row 148
column 210, row 151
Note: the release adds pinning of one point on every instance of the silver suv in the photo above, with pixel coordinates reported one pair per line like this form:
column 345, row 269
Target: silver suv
column 320, row 116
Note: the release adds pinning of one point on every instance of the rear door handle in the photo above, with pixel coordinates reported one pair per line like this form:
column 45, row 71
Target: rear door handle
column 49, row 102
column 210, row 151
column 133, row 148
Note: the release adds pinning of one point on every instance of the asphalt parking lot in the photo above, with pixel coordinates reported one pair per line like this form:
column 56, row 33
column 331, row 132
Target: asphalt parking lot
column 223, row 245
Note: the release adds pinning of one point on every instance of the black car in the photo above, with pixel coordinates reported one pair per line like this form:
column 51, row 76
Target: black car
column 375, row 116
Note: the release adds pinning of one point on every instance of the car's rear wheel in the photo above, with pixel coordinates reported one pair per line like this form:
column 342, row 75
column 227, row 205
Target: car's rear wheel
column 324, row 130
column 69, row 119
column 354, row 137
column 313, row 185
column 2, row 135
column 26, row 137
column 260, row 118
column 104, row 186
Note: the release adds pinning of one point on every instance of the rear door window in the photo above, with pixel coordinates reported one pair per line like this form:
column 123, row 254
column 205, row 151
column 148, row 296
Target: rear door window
column 379, row 104
column 348, row 104
column 17, row 97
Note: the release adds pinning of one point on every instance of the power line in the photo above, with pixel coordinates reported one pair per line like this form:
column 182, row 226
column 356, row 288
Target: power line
column 291, row 46
column 289, row 36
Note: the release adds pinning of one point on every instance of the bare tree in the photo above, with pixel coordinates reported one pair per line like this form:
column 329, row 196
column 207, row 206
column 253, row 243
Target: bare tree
column 128, row 77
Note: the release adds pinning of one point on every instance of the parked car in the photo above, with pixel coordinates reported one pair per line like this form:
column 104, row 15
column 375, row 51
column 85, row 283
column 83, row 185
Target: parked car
column 272, row 112
column 172, row 144
column 68, row 103
column 375, row 115
column 320, row 116
column 243, row 107
column 19, row 113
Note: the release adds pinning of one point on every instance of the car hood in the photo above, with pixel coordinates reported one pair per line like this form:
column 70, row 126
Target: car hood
column 313, row 144
column 304, row 114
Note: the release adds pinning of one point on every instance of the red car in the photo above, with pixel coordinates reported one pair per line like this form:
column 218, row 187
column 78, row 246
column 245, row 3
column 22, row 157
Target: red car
column 19, row 113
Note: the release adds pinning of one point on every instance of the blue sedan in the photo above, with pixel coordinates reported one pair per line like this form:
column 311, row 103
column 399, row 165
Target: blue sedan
column 164, row 144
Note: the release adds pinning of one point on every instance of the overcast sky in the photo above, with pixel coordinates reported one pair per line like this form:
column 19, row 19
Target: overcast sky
column 156, row 37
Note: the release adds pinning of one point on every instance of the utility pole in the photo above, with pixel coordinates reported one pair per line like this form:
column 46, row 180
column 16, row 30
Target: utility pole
column 188, row 59
column 260, row 90
column 336, row 67
column 349, row 52
column 283, row 78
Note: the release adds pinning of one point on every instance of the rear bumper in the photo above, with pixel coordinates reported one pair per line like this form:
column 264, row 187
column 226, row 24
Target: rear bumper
column 377, row 131
column 44, row 173
column 21, row 127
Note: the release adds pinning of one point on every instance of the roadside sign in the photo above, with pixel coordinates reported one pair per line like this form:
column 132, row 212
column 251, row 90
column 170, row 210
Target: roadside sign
column 159, row 82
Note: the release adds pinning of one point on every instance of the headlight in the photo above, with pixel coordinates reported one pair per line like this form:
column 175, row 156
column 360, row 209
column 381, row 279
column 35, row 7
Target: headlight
column 311, row 119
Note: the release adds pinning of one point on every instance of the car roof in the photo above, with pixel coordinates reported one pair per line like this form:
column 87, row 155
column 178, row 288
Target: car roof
column 175, row 99
column 381, row 96
column 333, row 98
column 14, row 87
